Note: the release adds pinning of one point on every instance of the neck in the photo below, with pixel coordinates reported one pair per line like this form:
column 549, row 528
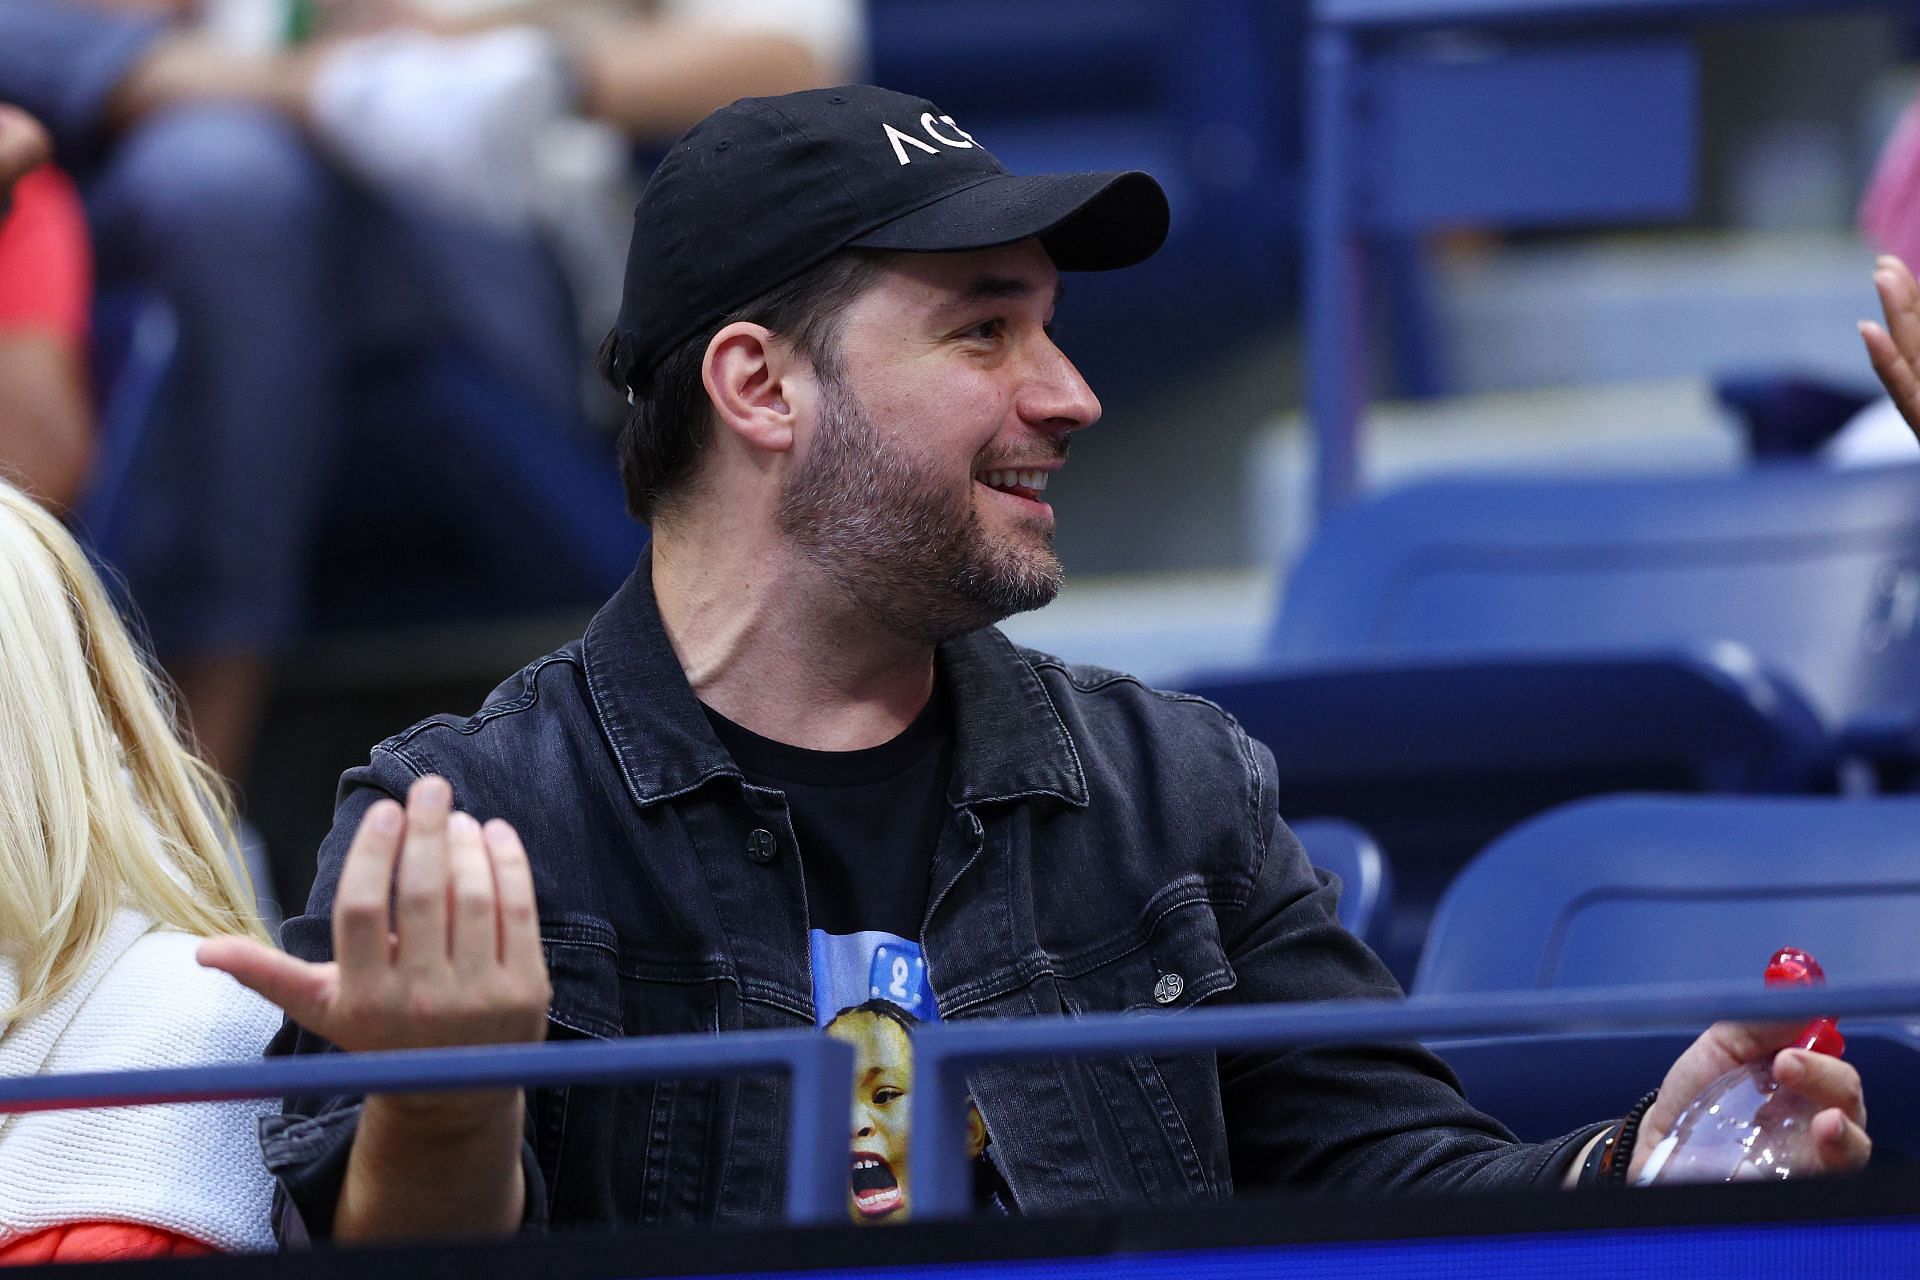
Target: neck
column 768, row 642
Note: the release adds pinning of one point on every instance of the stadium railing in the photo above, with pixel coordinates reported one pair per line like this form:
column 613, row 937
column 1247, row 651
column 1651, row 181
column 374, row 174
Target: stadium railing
column 821, row 1069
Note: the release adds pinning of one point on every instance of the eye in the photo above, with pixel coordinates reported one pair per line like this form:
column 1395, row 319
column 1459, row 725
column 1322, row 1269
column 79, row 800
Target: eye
column 986, row 330
column 887, row 1093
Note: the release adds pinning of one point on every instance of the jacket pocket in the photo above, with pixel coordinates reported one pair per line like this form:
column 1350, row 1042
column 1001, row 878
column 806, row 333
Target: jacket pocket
column 1159, row 1116
column 1177, row 962
column 626, row 1153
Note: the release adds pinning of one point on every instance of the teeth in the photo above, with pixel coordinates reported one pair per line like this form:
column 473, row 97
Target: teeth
column 1035, row 480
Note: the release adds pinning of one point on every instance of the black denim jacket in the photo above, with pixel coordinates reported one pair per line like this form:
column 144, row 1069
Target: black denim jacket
column 1103, row 835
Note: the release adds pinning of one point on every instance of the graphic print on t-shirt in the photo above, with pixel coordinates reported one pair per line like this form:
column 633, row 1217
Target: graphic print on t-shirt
column 870, row 990
column 852, row 968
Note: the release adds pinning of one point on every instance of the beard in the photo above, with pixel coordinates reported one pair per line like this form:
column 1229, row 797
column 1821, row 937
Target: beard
column 894, row 537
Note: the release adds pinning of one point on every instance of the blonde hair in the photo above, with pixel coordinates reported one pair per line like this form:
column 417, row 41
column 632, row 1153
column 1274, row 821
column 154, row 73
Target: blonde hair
column 101, row 806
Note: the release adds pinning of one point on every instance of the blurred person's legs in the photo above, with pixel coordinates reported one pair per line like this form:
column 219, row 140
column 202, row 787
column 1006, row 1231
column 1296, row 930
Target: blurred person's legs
column 228, row 213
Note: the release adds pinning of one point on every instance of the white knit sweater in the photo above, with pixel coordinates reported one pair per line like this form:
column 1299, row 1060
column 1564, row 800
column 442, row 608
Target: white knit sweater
column 192, row 1169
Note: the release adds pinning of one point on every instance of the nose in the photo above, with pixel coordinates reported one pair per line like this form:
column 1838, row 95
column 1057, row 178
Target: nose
column 1055, row 397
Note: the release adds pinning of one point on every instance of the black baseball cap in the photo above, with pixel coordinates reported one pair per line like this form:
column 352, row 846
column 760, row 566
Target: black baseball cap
column 766, row 188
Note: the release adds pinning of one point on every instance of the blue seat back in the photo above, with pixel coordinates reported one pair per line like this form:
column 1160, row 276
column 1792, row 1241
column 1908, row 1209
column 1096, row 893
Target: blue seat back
column 1366, row 880
column 1816, row 573
column 1646, row 889
column 1643, row 889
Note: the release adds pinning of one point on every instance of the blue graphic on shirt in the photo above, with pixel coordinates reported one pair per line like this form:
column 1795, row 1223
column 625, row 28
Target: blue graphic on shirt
column 852, row 968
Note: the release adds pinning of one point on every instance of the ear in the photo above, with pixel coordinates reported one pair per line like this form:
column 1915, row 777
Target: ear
column 976, row 1131
column 745, row 371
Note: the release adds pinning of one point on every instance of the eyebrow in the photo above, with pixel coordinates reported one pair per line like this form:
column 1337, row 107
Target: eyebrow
column 992, row 288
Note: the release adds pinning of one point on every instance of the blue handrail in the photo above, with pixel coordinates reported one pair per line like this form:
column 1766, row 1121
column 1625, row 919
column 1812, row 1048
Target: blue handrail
column 821, row 1068
column 943, row 1052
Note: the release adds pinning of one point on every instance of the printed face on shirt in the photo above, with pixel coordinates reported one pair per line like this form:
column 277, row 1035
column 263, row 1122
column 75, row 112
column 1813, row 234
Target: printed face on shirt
column 882, row 1122
column 882, row 1115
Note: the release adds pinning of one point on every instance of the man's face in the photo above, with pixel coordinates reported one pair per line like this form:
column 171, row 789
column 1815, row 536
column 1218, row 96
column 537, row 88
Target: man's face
column 920, row 490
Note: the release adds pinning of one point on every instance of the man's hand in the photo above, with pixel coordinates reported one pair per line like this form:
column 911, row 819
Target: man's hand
column 1895, row 349
column 460, row 963
column 1839, row 1130
column 436, row 942
column 23, row 146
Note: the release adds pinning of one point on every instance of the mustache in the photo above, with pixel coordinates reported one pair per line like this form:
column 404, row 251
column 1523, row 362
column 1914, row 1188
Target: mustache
column 1055, row 450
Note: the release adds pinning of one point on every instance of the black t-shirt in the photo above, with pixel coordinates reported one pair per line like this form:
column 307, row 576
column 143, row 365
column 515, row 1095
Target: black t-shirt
column 866, row 821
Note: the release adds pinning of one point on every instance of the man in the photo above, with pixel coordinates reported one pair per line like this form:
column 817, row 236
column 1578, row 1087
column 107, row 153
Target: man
column 794, row 726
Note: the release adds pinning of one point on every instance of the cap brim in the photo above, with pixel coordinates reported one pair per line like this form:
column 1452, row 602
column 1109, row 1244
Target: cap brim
column 1087, row 221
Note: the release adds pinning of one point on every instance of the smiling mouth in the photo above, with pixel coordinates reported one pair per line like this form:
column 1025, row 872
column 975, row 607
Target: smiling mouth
column 1030, row 485
column 876, row 1192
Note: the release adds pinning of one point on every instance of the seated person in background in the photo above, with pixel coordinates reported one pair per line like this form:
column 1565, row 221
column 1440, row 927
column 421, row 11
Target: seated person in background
column 46, row 425
column 324, row 216
column 792, row 766
column 113, row 863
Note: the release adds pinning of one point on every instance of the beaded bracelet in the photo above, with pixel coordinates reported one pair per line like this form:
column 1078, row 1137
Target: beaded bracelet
column 1609, row 1159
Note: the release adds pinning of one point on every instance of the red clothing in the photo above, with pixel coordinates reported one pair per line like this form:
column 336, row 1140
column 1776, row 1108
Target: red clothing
column 46, row 262
column 99, row 1242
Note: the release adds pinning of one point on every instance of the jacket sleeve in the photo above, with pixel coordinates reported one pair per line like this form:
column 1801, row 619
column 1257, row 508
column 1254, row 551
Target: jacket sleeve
column 1353, row 1119
column 307, row 1144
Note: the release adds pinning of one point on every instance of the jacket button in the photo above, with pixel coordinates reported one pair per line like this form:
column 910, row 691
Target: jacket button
column 1168, row 989
column 761, row 846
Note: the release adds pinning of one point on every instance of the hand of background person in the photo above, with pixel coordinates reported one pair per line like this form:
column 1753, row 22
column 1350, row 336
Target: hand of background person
column 23, row 146
column 1895, row 349
column 1840, row 1128
column 449, row 955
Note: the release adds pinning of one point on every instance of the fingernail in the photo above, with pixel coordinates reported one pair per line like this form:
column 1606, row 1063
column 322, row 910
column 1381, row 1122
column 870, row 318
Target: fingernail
column 462, row 822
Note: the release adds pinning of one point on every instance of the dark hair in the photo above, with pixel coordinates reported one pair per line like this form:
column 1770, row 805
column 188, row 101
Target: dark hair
column 671, row 419
column 881, row 1009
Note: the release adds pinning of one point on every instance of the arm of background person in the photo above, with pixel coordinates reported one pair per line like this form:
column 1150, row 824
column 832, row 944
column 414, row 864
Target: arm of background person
column 46, row 420
column 655, row 77
column 24, row 145
column 658, row 78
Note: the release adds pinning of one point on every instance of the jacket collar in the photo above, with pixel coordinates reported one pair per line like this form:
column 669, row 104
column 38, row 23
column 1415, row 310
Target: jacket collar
column 1012, row 742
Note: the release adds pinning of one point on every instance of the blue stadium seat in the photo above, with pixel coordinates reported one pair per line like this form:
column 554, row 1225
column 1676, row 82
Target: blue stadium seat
column 1458, row 654
column 1366, row 880
column 1663, row 889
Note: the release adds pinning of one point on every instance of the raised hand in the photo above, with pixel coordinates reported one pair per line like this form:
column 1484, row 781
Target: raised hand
column 1895, row 348
column 436, row 938
column 1840, row 1128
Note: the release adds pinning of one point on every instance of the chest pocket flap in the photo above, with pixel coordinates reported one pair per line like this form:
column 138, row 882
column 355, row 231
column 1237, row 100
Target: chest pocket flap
column 1180, row 963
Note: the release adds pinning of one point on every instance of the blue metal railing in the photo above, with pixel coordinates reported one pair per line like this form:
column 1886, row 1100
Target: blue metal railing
column 821, row 1068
